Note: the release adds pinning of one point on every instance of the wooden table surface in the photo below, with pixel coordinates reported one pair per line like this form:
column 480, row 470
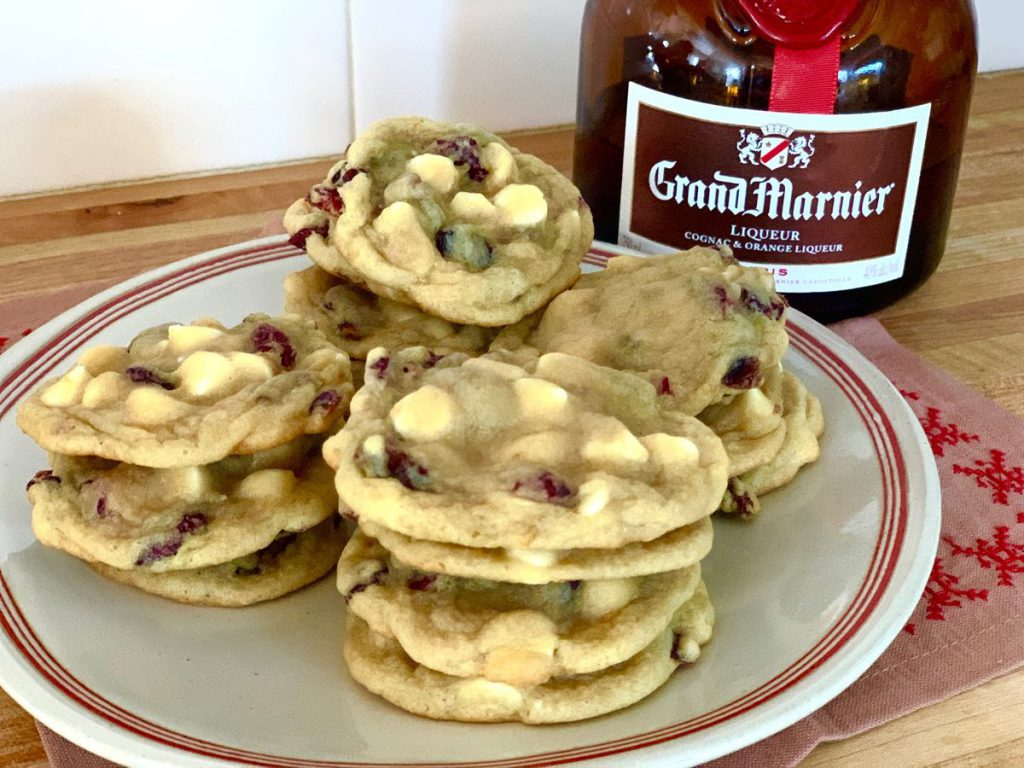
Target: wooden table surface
column 968, row 319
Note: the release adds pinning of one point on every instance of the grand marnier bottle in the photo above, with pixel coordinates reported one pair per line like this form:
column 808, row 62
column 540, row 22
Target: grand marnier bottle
column 821, row 140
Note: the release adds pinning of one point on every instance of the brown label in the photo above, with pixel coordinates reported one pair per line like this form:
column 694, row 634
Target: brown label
column 773, row 190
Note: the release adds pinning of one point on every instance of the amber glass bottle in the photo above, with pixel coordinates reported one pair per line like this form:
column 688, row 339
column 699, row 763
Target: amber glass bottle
column 697, row 123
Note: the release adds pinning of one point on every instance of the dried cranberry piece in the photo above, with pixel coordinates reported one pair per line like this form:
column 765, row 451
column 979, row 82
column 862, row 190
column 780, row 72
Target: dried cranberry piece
column 463, row 150
column 267, row 338
column 101, row 507
column 744, row 373
column 350, row 174
column 402, row 467
column 665, row 386
column 299, row 238
column 421, row 582
column 380, row 366
column 349, row 331
column 772, row 309
column 677, row 639
column 160, row 551
column 43, row 476
column 327, row 199
column 432, row 359
column 139, row 375
column 544, row 487
column 326, row 401
column 723, row 299
column 575, row 584
column 362, row 586
column 739, row 501
column 191, row 522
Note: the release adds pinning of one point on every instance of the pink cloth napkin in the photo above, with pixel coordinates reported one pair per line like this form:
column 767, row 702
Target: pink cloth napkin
column 969, row 624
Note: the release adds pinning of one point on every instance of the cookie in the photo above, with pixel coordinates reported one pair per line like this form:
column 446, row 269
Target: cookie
column 750, row 423
column 676, row 549
column 381, row 666
column 357, row 321
column 188, row 395
column 285, row 565
column 696, row 324
column 128, row 516
column 509, row 633
column 446, row 217
column 482, row 453
column 804, row 425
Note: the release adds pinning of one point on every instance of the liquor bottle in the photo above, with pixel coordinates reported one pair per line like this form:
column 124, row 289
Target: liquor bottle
column 821, row 140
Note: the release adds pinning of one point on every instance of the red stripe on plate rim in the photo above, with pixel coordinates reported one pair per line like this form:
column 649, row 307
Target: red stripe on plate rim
column 885, row 557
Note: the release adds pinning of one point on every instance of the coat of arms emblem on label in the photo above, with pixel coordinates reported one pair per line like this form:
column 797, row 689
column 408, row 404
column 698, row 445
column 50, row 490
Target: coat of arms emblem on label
column 775, row 146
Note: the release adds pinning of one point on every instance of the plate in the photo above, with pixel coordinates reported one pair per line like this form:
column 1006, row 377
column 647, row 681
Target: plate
column 807, row 596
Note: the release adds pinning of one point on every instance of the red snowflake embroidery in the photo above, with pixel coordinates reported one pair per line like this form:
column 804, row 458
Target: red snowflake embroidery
column 940, row 434
column 1001, row 555
column 910, row 395
column 996, row 475
column 942, row 592
column 1020, row 517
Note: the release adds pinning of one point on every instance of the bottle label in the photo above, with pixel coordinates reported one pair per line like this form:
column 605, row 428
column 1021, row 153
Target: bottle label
column 823, row 201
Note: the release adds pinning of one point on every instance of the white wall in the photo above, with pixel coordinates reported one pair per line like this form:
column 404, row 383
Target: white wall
column 109, row 90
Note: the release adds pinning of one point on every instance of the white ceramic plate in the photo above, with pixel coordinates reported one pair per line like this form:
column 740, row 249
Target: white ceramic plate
column 807, row 596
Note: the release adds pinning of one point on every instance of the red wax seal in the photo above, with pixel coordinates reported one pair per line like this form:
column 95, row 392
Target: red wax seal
column 799, row 23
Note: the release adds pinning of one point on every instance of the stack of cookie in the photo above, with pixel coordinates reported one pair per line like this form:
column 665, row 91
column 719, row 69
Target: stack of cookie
column 433, row 234
column 188, row 464
column 710, row 335
column 530, row 534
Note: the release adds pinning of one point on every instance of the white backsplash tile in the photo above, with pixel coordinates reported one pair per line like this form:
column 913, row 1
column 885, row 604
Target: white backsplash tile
column 92, row 93
column 99, row 92
column 503, row 65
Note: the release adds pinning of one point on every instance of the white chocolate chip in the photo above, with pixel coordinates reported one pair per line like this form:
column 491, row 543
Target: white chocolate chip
column 474, row 690
column 251, row 367
column 204, row 373
column 105, row 389
column 612, row 442
column 599, row 597
column 521, row 205
column 519, row 647
column 426, row 414
column 436, row 170
column 540, row 399
column 672, row 450
column 473, row 207
column 151, row 406
column 544, row 448
column 405, row 243
column 688, row 650
column 500, row 165
column 757, row 404
column 487, row 365
column 182, row 339
column 190, row 483
column 266, row 483
column 374, row 445
column 103, row 358
column 594, row 497
column 539, row 558
column 67, row 389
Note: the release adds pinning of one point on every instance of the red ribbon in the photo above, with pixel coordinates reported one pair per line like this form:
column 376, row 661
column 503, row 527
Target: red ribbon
column 805, row 79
